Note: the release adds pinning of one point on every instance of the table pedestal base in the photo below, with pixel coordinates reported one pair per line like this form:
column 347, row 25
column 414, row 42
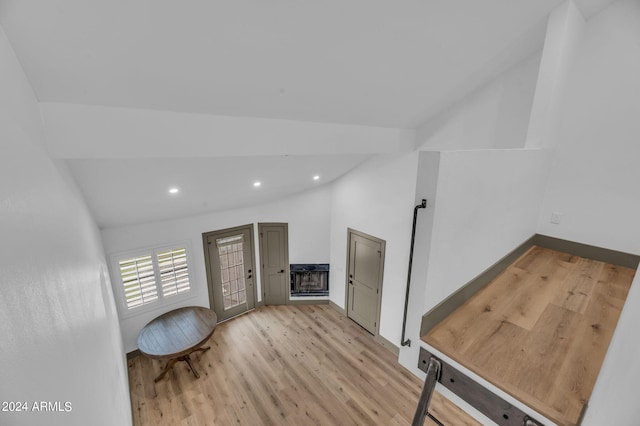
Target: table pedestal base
column 184, row 358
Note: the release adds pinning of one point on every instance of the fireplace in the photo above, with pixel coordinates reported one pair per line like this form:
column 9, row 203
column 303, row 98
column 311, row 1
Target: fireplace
column 309, row 279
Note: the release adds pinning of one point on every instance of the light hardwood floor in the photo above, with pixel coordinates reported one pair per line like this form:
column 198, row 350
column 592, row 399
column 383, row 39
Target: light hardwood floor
column 540, row 330
column 280, row 365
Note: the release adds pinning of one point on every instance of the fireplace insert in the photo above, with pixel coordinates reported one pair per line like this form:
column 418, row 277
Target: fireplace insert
column 309, row 279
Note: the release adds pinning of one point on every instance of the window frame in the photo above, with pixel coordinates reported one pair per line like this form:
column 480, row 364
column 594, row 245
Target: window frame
column 162, row 301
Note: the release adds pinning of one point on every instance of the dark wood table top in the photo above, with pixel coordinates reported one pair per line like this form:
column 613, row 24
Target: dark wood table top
column 177, row 333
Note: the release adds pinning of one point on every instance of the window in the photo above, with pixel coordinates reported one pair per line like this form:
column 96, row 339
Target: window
column 152, row 276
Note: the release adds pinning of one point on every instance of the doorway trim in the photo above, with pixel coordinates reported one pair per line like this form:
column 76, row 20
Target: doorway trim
column 383, row 245
column 205, row 246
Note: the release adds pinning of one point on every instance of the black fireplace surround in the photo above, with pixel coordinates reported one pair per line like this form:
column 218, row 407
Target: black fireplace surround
column 309, row 279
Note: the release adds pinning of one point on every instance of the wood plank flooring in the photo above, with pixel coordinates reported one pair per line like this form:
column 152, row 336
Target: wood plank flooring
column 540, row 330
column 447, row 413
column 283, row 365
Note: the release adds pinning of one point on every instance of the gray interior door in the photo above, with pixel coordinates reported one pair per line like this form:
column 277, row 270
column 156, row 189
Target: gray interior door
column 229, row 261
column 364, row 280
column 274, row 255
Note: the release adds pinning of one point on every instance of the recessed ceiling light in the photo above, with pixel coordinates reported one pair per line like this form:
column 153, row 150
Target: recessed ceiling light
column 316, row 177
column 257, row 183
column 173, row 190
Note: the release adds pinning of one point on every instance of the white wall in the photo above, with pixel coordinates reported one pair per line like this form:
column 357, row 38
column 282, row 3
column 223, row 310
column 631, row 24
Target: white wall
column 427, row 188
column 377, row 198
column 307, row 214
column 484, row 190
column 595, row 176
column 494, row 116
column 594, row 182
column 564, row 31
column 60, row 334
column 486, row 204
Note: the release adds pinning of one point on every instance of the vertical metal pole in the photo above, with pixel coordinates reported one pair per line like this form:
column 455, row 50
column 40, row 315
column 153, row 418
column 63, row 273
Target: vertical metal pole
column 433, row 373
column 422, row 205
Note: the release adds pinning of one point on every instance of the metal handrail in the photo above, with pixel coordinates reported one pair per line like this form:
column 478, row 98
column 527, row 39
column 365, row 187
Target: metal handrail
column 433, row 374
column 485, row 401
column 422, row 205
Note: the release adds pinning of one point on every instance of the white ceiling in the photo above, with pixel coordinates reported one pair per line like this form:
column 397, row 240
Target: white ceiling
column 358, row 62
column 126, row 191
column 371, row 62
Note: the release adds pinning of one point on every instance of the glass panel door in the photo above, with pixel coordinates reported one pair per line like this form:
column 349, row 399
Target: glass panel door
column 229, row 257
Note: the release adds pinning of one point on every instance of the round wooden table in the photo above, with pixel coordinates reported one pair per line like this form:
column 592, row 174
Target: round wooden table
column 176, row 334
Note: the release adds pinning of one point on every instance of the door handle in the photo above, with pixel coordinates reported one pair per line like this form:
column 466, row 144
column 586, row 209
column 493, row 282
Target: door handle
column 281, row 271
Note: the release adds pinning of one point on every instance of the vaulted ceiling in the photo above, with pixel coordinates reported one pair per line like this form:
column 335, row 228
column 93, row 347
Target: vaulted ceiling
column 369, row 63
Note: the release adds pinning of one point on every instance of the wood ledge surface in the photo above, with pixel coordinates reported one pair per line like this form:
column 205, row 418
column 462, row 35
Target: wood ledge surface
column 540, row 330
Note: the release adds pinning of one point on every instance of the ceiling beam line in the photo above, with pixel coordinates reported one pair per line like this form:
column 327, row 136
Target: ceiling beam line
column 87, row 131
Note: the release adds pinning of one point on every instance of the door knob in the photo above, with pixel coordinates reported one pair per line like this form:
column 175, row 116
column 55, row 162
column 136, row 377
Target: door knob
column 281, row 271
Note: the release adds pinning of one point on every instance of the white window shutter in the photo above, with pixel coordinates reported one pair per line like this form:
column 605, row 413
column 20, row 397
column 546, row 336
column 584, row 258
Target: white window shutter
column 174, row 271
column 138, row 281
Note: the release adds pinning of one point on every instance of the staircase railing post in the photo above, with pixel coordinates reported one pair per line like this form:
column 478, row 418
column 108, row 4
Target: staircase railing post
column 433, row 373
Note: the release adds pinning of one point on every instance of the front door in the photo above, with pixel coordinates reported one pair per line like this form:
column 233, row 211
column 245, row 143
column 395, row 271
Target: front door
column 274, row 255
column 229, row 259
column 364, row 280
